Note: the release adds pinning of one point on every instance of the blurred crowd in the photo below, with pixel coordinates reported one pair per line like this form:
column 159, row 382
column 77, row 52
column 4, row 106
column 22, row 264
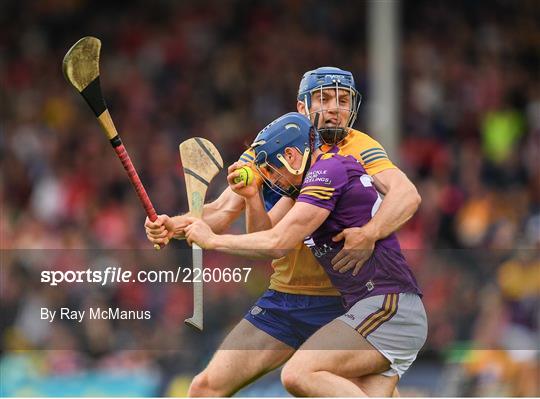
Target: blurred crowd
column 470, row 141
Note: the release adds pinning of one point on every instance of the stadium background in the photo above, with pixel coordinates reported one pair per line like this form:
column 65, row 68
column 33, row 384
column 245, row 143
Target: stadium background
column 470, row 139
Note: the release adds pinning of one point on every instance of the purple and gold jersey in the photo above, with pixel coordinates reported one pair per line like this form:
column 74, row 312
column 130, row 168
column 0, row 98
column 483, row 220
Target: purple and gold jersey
column 342, row 186
column 299, row 272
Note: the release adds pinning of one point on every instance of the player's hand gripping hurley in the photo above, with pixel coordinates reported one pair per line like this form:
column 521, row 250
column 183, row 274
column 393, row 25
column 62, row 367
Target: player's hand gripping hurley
column 201, row 162
column 81, row 69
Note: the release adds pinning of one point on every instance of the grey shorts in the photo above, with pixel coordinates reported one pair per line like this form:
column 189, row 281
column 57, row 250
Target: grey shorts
column 395, row 324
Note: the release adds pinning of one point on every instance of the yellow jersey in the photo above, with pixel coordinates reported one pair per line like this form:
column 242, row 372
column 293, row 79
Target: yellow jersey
column 299, row 272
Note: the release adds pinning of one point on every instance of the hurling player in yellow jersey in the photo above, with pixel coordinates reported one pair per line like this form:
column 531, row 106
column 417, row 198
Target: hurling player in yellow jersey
column 300, row 298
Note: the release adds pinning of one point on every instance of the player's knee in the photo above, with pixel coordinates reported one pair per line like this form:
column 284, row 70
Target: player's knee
column 293, row 377
column 200, row 386
column 203, row 385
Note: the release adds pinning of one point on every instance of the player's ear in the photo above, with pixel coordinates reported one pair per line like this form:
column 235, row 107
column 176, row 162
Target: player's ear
column 288, row 153
column 301, row 107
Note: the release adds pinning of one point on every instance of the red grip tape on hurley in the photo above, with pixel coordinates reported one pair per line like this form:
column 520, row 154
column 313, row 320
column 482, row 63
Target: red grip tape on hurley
column 136, row 181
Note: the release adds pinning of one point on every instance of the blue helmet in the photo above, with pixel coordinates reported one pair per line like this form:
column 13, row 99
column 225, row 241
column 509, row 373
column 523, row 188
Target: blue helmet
column 290, row 130
column 330, row 78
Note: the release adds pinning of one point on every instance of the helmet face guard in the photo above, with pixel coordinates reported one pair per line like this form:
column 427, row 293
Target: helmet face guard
column 332, row 135
column 329, row 78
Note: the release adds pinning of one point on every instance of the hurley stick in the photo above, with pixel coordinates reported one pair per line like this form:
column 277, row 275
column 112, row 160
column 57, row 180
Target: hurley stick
column 201, row 162
column 81, row 69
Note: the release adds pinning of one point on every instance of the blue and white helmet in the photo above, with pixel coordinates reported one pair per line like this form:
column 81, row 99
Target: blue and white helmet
column 289, row 130
column 324, row 78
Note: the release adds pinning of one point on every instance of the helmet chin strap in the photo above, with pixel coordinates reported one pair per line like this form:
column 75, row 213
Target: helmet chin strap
column 294, row 191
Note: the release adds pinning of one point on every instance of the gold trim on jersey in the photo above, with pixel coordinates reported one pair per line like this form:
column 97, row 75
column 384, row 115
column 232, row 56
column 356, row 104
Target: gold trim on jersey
column 328, row 155
column 325, row 188
column 320, row 192
column 318, row 195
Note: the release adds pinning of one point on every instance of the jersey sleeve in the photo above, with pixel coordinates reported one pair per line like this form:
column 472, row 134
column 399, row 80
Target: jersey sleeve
column 248, row 156
column 373, row 157
column 368, row 151
column 324, row 184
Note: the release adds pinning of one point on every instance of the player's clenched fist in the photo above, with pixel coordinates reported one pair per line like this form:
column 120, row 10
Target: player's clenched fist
column 200, row 233
column 161, row 230
column 243, row 180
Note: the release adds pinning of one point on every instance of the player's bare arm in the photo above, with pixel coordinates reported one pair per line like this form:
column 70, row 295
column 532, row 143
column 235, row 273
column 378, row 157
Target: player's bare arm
column 218, row 214
column 257, row 219
column 399, row 204
column 222, row 212
column 302, row 220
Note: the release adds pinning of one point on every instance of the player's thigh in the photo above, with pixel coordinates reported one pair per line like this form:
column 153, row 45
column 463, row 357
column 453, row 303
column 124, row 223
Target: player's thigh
column 246, row 353
column 341, row 350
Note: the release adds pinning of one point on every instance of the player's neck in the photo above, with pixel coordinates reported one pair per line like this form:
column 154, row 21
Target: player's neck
column 315, row 155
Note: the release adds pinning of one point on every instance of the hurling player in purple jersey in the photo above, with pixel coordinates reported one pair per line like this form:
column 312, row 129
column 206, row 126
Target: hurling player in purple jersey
column 384, row 325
